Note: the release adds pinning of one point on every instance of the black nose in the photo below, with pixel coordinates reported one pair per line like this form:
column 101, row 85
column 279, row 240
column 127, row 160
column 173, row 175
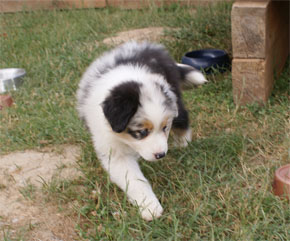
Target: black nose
column 159, row 155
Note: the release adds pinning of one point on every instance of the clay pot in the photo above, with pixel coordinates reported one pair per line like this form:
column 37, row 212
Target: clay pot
column 5, row 101
column 282, row 181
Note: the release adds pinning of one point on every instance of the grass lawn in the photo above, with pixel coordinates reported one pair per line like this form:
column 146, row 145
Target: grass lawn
column 218, row 188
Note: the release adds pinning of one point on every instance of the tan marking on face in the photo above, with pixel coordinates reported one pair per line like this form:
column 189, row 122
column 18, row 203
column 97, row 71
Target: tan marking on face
column 125, row 135
column 147, row 124
column 164, row 123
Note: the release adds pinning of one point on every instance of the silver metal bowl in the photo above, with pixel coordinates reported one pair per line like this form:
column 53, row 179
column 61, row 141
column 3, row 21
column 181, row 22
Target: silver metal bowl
column 11, row 79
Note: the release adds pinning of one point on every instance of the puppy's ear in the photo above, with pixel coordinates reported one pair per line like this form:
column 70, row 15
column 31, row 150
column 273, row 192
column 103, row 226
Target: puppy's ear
column 121, row 105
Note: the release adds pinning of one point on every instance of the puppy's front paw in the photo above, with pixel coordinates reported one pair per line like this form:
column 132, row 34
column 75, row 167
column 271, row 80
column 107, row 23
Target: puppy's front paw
column 153, row 210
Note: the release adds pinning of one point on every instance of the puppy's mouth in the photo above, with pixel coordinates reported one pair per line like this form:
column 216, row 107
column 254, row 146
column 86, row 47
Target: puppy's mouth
column 153, row 157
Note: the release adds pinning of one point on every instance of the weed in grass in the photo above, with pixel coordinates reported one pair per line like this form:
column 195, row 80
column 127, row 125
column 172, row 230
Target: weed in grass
column 28, row 191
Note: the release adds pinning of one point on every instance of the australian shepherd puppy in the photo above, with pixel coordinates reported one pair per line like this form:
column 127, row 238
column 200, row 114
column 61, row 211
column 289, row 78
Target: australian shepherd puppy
column 130, row 99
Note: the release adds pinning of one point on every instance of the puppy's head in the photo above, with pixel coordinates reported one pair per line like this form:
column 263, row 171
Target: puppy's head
column 141, row 116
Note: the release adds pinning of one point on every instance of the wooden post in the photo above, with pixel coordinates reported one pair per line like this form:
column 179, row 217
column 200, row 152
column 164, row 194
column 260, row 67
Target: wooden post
column 260, row 39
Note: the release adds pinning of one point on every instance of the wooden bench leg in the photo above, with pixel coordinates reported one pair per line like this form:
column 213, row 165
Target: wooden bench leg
column 260, row 38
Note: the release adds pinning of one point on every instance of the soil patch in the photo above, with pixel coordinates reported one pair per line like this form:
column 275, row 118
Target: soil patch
column 22, row 174
column 152, row 34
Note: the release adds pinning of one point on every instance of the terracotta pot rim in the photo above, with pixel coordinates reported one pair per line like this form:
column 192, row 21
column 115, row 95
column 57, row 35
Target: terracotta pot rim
column 5, row 101
column 282, row 181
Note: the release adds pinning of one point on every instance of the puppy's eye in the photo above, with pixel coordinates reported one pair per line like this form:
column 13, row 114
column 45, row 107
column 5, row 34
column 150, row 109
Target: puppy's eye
column 164, row 128
column 140, row 134
column 143, row 133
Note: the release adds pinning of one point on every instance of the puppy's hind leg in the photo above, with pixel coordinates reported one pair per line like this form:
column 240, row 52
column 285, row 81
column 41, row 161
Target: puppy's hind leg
column 180, row 126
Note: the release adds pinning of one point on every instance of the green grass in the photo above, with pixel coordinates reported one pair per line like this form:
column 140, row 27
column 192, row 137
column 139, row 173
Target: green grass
column 219, row 188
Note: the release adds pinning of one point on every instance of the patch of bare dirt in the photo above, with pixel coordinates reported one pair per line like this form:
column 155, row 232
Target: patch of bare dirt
column 153, row 34
column 22, row 174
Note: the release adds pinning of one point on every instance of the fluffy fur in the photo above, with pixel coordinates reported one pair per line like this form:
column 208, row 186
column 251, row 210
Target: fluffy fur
column 129, row 99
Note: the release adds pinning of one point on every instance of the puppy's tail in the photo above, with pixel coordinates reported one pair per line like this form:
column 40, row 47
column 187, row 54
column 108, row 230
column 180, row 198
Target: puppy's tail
column 191, row 76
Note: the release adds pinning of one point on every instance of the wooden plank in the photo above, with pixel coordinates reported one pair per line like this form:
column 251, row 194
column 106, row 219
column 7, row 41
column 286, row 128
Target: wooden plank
column 18, row 5
column 255, row 26
column 252, row 1
column 253, row 71
column 249, row 29
column 252, row 80
column 132, row 4
column 31, row 5
column 79, row 3
column 278, row 34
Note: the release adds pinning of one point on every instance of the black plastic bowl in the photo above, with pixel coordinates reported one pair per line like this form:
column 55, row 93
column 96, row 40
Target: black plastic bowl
column 207, row 60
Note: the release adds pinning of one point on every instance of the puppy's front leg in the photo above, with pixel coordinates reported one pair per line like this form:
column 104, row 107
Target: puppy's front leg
column 127, row 175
